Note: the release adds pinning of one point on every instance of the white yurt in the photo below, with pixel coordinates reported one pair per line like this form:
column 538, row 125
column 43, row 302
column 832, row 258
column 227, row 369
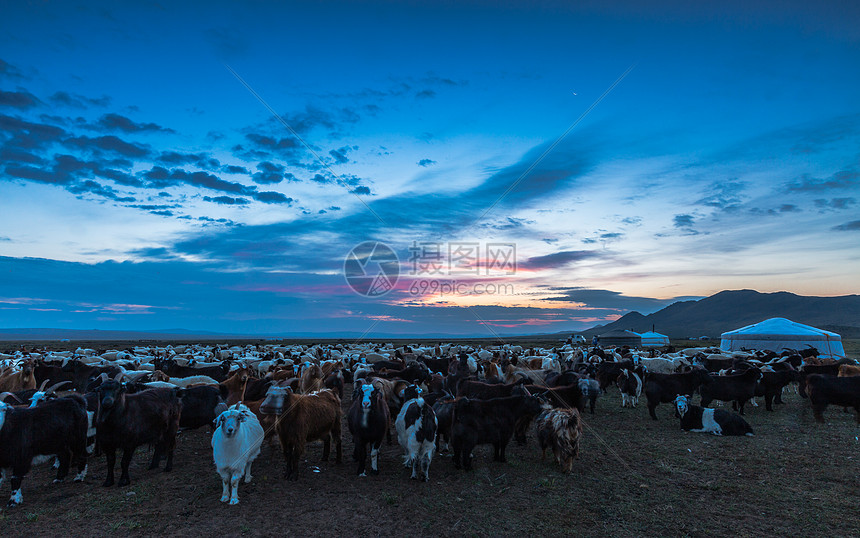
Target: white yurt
column 654, row 339
column 777, row 334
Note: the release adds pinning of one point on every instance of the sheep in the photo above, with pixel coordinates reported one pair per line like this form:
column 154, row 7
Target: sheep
column 235, row 445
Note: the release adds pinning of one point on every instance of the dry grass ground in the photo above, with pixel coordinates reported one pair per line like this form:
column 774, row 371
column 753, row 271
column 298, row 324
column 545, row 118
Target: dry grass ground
column 635, row 477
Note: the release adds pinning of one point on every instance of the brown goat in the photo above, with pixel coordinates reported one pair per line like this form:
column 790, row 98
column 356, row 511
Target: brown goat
column 312, row 379
column 242, row 385
column 158, row 375
column 301, row 419
column 848, row 370
column 281, row 372
column 235, row 385
column 329, row 367
column 23, row 379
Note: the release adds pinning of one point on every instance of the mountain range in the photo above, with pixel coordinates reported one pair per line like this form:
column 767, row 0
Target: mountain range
column 733, row 309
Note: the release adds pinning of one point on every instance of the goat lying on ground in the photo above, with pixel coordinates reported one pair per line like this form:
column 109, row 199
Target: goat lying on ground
column 704, row 419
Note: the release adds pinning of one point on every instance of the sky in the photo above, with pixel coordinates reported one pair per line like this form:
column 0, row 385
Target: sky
column 475, row 168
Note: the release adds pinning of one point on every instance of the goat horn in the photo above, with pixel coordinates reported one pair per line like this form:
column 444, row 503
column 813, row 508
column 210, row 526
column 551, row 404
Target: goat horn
column 3, row 396
column 55, row 386
column 42, row 386
column 118, row 377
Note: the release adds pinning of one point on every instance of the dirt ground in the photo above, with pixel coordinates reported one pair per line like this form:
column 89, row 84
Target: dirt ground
column 634, row 477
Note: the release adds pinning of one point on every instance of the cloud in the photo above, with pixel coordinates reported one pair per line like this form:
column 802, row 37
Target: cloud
column 66, row 169
column 835, row 203
column 272, row 143
column 848, row 226
column 96, row 189
column 39, row 174
column 25, row 135
column 152, row 207
column 426, row 162
column 361, row 190
column 607, row 299
column 268, row 173
column 226, row 200
column 9, row 71
column 271, row 197
column 201, row 160
column 79, row 101
column 425, row 94
column 683, row 221
column 18, row 156
column 815, row 138
column 725, row 196
column 314, row 117
column 116, row 122
column 107, row 143
column 844, row 179
column 119, row 177
column 339, row 157
column 160, row 177
column 20, row 99
column 234, row 169
column 509, row 224
column 558, row 259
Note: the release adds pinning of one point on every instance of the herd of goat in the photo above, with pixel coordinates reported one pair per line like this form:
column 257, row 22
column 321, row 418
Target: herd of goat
column 71, row 405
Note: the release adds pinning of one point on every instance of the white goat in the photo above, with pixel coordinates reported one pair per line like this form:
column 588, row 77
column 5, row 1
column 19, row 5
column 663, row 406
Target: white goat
column 235, row 445
column 183, row 382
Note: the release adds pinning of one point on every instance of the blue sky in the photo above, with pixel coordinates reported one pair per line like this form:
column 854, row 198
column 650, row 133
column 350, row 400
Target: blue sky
column 144, row 186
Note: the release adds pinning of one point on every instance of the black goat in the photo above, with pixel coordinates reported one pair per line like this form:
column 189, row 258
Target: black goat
column 170, row 367
column 478, row 422
column 738, row 388
column 772, row 382
column 201, row 405
column 127, row 421
column 54, row 428
column 664, row 388
column 824, row 390
column 368, row 419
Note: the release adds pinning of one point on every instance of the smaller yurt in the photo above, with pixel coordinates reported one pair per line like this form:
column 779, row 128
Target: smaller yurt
column 776, row 334
column 620, row 337
column 654, row 339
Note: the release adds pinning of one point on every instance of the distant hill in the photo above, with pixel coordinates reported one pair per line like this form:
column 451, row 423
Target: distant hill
column 729, row 310
column 96, row 334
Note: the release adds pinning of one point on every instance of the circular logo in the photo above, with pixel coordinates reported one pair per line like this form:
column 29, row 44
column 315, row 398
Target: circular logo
column 371, row 269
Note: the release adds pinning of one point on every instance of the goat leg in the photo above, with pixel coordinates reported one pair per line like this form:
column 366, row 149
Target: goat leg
column 124, row 480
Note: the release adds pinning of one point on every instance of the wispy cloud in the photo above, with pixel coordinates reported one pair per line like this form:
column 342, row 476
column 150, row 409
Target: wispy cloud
column 854, row 225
